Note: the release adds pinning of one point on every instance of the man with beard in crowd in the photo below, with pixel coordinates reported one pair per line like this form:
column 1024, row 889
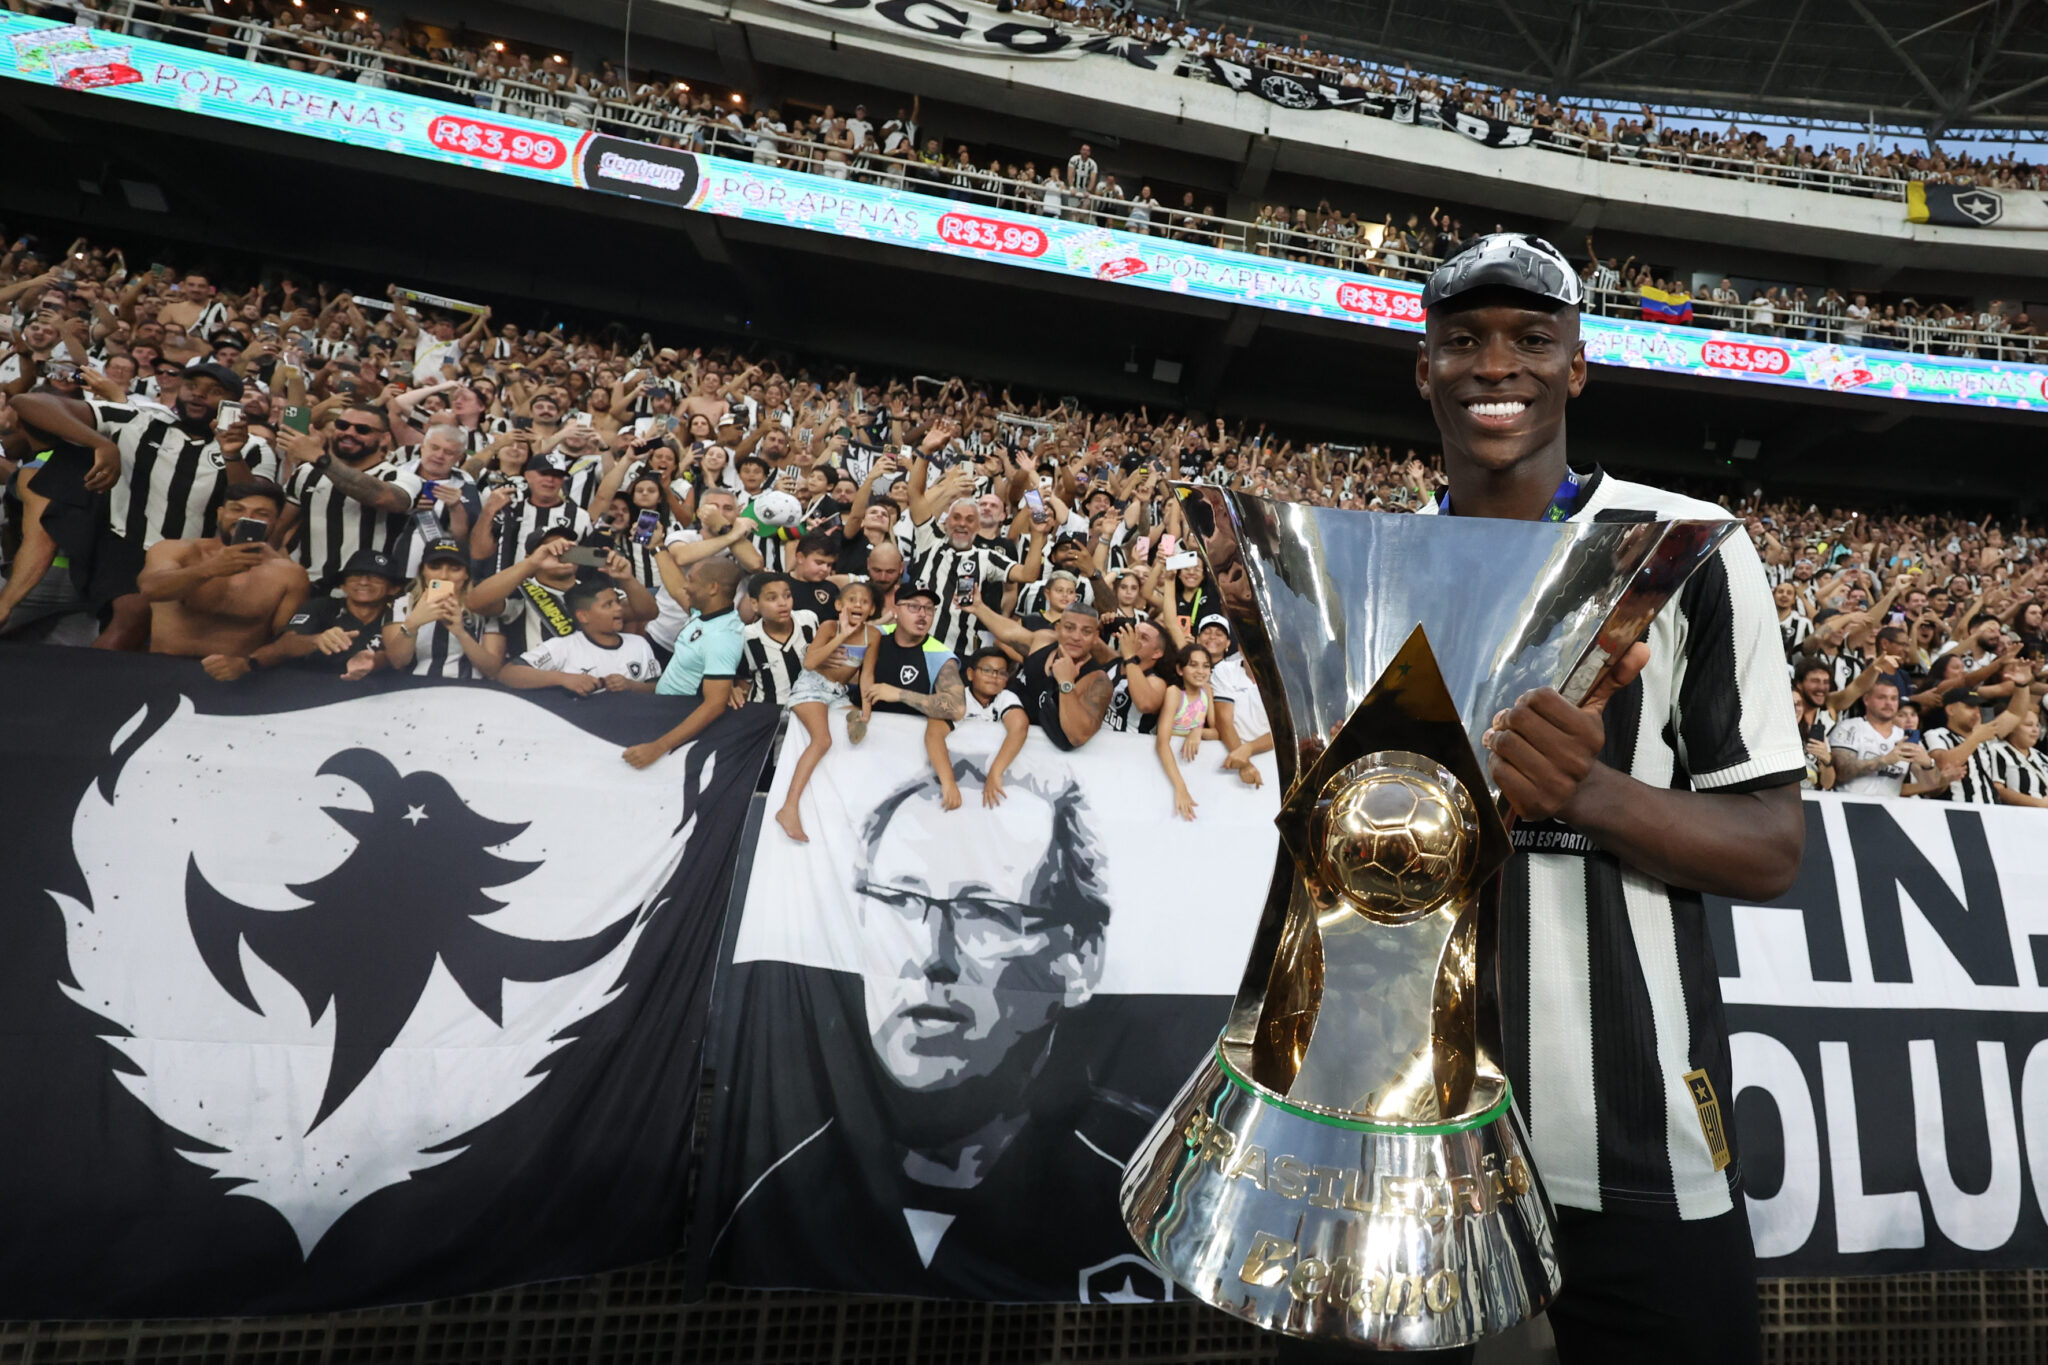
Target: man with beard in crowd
column 884, row 578
column 345, row 494
column 164, row 472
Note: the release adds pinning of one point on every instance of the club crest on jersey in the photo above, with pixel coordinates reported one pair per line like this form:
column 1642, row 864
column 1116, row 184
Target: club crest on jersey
column 299, row 1029
column 907, row 674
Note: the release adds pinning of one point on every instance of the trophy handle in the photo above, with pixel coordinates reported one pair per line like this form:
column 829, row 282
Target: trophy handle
column 1680, row 548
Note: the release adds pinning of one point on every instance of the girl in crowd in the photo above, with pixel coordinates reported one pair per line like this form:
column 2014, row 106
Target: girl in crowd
column 1184, row 716
column 830, row 664
column 1060, row 591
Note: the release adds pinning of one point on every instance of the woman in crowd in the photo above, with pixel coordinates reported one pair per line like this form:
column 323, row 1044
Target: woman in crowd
column 430, row 635
column 1184, row 716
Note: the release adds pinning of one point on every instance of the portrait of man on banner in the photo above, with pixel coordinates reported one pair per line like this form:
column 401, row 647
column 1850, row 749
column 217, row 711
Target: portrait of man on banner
column 943, row 1032
column 985, row 929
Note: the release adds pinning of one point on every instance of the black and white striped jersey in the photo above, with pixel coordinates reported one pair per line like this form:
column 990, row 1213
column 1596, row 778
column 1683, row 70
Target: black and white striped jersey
column 534, row 613
column 938, row 565
column 333, row 525
column 585, row 474
column 520, row 518
column 1609, row 995
column 774, row 666
column 1974, row 786
column 436, row 652
column 1794, row 630
column 2024, row 772
column 172, row 481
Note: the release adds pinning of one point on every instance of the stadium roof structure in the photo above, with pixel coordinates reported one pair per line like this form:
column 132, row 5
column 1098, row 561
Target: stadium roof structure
column 1935, row 65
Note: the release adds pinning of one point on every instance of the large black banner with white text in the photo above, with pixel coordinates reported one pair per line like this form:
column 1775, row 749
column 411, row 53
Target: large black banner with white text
column 1889, row 1030
column 946, row 1030
column 319, row 994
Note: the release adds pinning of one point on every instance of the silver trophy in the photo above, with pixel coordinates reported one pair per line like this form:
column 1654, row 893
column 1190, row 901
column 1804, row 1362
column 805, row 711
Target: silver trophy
column 1348, row 1165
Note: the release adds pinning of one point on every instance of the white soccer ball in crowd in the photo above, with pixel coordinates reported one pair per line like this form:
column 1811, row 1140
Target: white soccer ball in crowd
column 776, row 509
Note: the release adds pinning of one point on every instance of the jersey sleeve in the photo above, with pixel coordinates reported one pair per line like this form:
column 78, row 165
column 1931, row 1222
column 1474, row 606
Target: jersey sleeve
column 111, row 417
column 545, row 655
column 1735, row 726
column 409, row 480
column 261, row 459
column 312, row 618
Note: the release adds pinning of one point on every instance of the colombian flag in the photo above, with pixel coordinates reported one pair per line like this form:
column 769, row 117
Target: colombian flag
column 1660, row 305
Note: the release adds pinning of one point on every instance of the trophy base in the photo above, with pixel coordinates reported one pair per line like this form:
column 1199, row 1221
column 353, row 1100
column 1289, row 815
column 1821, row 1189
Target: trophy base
column 1395, row 1237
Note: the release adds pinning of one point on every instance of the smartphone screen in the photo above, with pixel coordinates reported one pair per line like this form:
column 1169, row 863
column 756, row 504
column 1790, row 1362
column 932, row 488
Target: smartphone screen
column 1035, row 500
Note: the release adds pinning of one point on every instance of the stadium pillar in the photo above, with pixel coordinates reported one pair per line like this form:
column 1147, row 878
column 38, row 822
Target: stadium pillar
column 1252, row 173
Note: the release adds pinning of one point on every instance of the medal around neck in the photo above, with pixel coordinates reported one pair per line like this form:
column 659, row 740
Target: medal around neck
column 1348, row 1164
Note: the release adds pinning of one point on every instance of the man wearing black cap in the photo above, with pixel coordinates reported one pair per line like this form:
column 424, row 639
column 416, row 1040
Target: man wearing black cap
column 346, row 495
column 1679, row 776
column 344, row 634
column 167, row 484
column 910, row 671
column 509, row 519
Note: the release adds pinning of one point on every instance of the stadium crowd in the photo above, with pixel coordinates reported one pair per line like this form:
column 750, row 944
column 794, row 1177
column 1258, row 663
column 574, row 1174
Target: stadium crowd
column 291, row 475
column 892, row 148
column 350, row 41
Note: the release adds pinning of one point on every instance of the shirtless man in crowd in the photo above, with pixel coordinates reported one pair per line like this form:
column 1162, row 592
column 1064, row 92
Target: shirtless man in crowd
column 219, row 602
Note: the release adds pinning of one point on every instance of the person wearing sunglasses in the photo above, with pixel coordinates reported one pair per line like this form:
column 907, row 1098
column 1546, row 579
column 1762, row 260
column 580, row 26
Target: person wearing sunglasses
column 344, row 495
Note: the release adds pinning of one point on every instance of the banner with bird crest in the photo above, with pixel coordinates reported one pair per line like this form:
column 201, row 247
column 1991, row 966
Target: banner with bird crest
column 317, row 994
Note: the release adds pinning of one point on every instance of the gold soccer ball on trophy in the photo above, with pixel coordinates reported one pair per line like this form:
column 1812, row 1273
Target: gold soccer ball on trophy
column 1399, row 836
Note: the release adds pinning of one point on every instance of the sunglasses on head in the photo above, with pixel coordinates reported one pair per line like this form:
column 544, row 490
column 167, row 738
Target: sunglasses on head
column 364, row 428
